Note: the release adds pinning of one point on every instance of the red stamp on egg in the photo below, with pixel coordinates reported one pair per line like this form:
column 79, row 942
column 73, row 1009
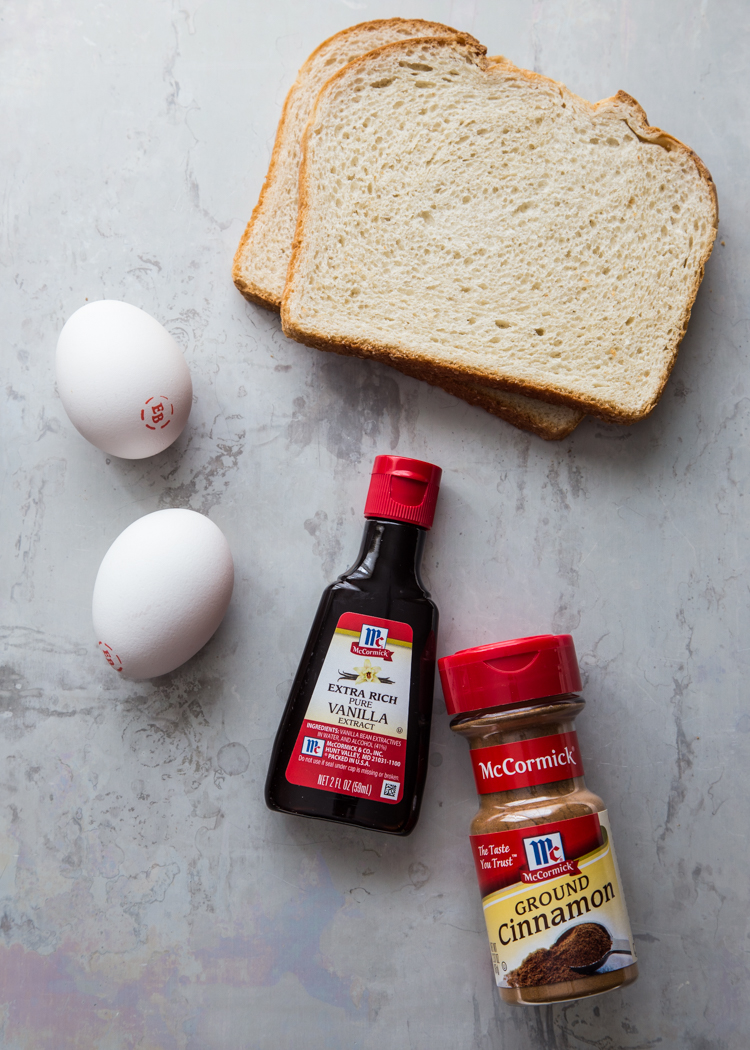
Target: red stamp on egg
column 157, row 412
column 110, row 656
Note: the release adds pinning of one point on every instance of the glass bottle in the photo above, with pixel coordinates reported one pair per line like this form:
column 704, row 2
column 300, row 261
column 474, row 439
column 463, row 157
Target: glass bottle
column 352, row 743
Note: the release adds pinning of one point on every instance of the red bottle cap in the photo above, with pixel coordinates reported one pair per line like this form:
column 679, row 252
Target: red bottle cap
column 403, row 489
column 509, row 673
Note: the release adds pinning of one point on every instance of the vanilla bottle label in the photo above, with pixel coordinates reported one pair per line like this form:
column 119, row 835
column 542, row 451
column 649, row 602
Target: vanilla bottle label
column 552, row 902
column 353, row 737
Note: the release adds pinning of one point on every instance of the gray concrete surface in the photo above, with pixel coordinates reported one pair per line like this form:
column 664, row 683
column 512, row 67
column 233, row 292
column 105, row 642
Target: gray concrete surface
column 148, row 898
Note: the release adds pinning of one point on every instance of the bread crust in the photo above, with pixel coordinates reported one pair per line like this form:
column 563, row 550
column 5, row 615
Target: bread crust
column 252, row 291
column 438, row 372
column 513, row 415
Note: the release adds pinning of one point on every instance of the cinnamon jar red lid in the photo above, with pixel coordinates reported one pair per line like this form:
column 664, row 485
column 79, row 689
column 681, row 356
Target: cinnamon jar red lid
column 511, row 672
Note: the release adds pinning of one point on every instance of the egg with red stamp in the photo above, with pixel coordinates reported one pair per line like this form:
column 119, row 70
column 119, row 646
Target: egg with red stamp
column 162, row 590
column 122, row 379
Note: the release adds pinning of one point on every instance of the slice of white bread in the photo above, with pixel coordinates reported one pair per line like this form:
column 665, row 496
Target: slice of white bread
column 481, row 223
column 262, row 258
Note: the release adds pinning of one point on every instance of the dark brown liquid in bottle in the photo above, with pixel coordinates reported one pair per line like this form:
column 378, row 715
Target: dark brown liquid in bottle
column 384, row 583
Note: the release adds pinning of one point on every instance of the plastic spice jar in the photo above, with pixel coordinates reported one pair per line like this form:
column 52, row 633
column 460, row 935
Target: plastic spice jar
column 551, row 890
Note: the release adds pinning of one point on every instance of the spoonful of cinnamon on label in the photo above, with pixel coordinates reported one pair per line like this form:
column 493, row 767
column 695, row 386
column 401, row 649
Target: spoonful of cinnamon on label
column 618, row 948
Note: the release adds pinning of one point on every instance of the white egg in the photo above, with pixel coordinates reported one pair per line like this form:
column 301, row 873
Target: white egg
column 122, row 379
column 162, row 590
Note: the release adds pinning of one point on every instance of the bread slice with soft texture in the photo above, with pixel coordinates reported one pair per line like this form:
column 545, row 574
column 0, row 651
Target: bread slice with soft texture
column 262, row 258
column 486, row 225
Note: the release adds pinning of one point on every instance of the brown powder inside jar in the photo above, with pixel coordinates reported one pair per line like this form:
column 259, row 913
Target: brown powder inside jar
column 559, row 800
column 580, row 946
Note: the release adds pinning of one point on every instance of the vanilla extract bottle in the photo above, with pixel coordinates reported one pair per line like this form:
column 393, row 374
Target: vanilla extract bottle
column 352, row 743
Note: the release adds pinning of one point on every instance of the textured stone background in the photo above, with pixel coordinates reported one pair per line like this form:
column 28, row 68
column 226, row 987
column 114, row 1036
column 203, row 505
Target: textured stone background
column 148, row 898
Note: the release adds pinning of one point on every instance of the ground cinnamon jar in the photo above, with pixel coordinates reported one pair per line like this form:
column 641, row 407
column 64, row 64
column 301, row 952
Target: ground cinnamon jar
column 551, row 890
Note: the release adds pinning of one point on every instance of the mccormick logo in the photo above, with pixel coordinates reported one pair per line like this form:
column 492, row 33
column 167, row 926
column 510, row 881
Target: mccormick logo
column 546, row 858
column 546, row 850
column 373, row 637
column 539, row 763
column 372, row 641
column 502, row 767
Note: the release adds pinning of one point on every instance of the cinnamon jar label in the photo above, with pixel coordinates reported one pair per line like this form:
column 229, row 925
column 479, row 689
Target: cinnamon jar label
column 552, row 902
column 525, row 763
column 353, row 736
